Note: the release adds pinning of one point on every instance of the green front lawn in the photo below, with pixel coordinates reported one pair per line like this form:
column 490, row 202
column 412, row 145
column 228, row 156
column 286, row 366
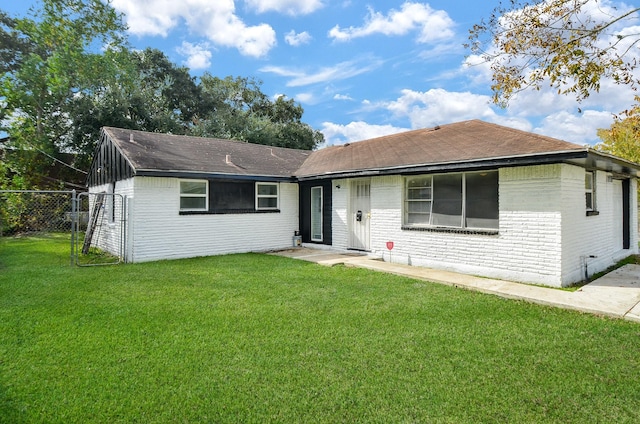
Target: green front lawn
column 258, row 338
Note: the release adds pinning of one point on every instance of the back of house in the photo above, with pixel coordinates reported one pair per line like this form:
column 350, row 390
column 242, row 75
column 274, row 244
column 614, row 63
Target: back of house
column 470, row 197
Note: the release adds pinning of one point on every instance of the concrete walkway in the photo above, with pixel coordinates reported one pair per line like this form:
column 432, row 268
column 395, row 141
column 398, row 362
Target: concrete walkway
column 616, row 294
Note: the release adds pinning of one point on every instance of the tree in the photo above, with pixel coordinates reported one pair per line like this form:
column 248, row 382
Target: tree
column 571, row 44
column 13, row 48
column 66, row 71
column 238, row 109
column 145, row 91
column 623, row 137
column 56, row 61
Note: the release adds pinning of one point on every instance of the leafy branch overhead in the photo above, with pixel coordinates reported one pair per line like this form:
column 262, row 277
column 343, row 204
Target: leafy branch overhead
column 572, row 45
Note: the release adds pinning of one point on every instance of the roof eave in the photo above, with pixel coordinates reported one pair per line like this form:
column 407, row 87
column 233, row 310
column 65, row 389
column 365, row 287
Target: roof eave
column 466, row 165
column 210, row 175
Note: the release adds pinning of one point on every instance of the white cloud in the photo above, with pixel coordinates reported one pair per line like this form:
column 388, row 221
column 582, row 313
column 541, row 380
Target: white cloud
column 433, row 25
column 340, row 71
column 439, row 106
column 290, row 7
column 307, row 98
column 198, row 55
column 299, row 39
column 144, row 18
column 215, row 20
column 342, row 97
column 355, row 131
column 580, row 129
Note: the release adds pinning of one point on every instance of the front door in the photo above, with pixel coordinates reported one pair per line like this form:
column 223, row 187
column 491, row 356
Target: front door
column 359, row 215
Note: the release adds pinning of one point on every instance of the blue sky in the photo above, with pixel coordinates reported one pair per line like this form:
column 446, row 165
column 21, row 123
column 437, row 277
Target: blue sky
column 360, row 69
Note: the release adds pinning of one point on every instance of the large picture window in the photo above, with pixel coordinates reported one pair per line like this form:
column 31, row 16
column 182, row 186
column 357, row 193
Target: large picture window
column 461, row 200
column 232, row 196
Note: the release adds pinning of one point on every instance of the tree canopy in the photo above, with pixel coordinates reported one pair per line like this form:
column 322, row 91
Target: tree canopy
column 49, row 60
column 569, row 44
column 623, row 137
column 67, row 70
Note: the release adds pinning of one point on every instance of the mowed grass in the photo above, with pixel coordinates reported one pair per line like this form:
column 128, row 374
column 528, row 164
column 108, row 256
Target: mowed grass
column 256, row 338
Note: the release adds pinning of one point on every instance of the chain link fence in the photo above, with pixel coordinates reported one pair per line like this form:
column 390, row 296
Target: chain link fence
column 28, row 212
column 94, row 222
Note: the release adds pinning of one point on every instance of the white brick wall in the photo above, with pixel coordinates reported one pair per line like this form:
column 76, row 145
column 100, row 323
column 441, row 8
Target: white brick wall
column 156, row 230
column 599, row 235
column 543, row 236
column 109, row 235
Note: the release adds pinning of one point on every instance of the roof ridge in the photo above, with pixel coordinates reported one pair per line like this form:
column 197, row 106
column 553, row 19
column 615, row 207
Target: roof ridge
column 204, row 138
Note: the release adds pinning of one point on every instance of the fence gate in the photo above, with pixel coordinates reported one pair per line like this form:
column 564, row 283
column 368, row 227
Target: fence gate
column 95, row 223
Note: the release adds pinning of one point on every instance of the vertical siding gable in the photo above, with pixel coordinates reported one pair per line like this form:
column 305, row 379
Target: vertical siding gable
column 109, row 164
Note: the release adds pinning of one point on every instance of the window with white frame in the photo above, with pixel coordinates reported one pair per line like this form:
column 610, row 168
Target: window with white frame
column 194, row 195
column 590, row 190
column 266, row 196
column 417, row 209
column 457, row 200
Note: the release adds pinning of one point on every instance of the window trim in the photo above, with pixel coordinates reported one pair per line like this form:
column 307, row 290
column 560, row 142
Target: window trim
column 463, row 228
column 407, row 200
column 194, row 195
column 267, row 196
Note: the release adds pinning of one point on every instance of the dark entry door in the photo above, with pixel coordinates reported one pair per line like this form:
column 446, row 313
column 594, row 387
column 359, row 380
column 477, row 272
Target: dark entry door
column 315, row 211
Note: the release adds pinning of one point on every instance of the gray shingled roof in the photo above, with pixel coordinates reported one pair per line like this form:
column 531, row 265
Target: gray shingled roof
column 459, row 146
column 165, row 153
column 463, row 142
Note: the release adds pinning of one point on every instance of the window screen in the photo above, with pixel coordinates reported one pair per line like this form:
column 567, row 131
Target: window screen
column 230, row 196
column 443, row 200
column 481, row 201
column 447, row 200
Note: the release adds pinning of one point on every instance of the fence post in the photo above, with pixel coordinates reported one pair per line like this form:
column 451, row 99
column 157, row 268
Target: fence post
column 74, row 224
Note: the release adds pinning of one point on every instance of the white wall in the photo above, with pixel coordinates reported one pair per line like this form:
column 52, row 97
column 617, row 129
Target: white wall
column 543, row 230
column 597, row 239
column 158, row 231
column 109, row 235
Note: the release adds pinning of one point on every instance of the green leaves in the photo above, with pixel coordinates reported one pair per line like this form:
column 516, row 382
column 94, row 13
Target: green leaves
column 623, row 137
column 559, row 42
column 56, row 60
column 66, row 71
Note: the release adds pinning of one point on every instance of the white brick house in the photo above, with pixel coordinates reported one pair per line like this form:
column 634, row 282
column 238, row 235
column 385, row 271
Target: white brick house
column 470, row 197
